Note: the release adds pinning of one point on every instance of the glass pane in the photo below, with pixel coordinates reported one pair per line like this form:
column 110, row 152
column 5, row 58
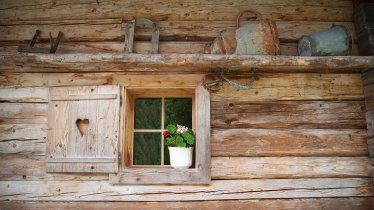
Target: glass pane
column 147, row 148
column 148, row 113
column 166, row 156
column 178, row 111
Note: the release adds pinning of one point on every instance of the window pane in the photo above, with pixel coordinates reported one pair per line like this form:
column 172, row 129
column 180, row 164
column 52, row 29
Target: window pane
column 147, row 148
column 166, row 156
column 178, row 111
column 148, row 113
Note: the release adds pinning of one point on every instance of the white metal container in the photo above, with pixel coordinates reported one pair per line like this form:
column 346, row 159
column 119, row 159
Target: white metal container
column 180, row 157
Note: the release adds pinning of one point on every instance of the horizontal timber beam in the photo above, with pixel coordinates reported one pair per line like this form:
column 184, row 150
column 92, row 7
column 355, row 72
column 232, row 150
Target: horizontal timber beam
column 99, row 62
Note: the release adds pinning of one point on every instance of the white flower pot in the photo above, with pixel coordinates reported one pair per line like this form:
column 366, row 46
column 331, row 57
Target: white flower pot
column 180, row 157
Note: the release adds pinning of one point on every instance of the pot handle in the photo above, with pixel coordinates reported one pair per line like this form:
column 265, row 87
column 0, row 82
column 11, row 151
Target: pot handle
column 258, row 16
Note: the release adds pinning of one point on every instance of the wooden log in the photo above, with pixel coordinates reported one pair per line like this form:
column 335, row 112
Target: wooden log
column 114, row 29
column 295, row 87
column 263, row 204
column 290, row 167
column 370, row 123
column 371, row 147
column 176, row 10
column 288, row 114
column 217, row 190
column 276, row 86
column 23, row 113
column 80, row 62
column 208, row 30
column 369, row 96
column 35, row 94
column 181, row 47
column 290, row 142
column 31, row 167
column 76, row 30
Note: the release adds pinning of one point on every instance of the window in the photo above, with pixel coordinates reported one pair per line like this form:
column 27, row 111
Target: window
column 151, row 116
column 117, row 129
column 146, row 112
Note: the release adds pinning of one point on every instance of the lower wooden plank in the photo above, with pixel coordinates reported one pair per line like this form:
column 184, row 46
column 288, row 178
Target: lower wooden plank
column 217, row 190
column 290, row 142
column 289, row 167
column 365, row 203
column 28, row 167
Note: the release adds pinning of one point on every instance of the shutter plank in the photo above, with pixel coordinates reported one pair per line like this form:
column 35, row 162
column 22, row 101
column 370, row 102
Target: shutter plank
column 91, row 150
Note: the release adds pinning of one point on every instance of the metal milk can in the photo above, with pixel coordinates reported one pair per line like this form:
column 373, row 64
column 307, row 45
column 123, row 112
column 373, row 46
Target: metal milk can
column 332, row 42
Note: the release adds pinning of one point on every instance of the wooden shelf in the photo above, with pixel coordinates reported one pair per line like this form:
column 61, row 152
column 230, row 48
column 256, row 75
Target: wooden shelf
column 193, row 63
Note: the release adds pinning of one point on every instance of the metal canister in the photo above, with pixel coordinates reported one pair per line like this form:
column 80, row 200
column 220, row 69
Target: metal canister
column 332, row 42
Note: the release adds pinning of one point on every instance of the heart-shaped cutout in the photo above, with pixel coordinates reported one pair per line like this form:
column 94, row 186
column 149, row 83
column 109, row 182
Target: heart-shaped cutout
column 82, row 125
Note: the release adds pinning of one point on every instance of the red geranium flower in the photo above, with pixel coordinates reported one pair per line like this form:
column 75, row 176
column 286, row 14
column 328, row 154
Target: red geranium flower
column 166, row 134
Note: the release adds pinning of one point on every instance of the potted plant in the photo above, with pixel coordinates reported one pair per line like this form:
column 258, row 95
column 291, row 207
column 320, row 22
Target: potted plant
column 180, row 141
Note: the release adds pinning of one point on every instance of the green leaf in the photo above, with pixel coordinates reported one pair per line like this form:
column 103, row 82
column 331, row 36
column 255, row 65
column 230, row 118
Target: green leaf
column 171, row 142
column 171, row 128
column 189, row 138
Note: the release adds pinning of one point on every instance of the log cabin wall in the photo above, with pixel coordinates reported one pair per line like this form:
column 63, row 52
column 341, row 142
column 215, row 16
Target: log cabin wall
column 294, row 141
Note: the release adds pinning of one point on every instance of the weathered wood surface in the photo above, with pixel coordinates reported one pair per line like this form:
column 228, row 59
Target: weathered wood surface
column 35, row 94
column 369, row 97
column 288, row 114
column 77, row 30
column 114, row 29
column 177, row 10
column 275, row 86
column 28, row 62
column 370, row 123
column 32, row 167
column 290, row 142
column 368, row 76
column 289, row 167
column 365, row 203
column 181, row 47
column 295, row 87
column 217, row 190
column 23, row 113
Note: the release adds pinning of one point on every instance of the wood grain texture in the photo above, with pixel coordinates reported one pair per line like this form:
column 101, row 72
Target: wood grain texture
column 78, row 62
column 114, row 29
column 180, row 47
column 364, row 203
column 288, row 114
column 98, row 106
column 177, row 10
column 370, row 123
column 31, row 168
column 35, row 94
column 289, row 142
column 368, row 76
column 369, row 97
column 294, row 87
column 290, row 167
column 78, row 30
column 217, row 190
column 23, row 113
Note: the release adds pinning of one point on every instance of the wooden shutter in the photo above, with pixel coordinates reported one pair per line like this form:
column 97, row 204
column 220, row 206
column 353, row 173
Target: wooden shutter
column 83, row 129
